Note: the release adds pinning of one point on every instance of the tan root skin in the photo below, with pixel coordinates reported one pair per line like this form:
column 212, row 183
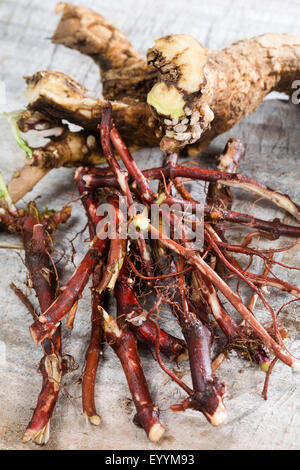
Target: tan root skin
column 75, row 148
column 24, row 181
column 122, row 68
column 79, row 28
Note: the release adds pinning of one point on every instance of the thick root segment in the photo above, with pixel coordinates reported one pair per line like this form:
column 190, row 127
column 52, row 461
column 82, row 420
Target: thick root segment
column 93, row 354
column 82, row 29
column 175, row 98
column 124, row 345
column 240, row 76
column 212, row 84
column 215, row 108
column 66, row 148
column 24, row 180
column 223, row 86
column 35, row 228
column 74, row 149
column 123, row 71
column 38, row 430
column 94, row 351
column 57, row 95
column 207, row 389
column 44, row 282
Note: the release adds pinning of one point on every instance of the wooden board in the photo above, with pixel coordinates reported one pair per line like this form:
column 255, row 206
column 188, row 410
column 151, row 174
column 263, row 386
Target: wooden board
column 272, row 139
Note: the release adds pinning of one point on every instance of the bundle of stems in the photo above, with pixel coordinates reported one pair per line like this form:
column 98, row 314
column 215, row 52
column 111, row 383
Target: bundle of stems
column 144, row 241
column 37, row 230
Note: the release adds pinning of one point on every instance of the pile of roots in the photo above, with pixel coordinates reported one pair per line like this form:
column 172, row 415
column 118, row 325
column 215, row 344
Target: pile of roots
column 148, row 234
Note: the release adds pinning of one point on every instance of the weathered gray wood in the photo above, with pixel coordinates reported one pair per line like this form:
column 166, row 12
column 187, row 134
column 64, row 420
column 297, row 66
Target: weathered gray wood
column 272, row 139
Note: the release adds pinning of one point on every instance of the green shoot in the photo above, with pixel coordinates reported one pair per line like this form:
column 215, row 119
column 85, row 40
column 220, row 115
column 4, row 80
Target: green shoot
column 13, row 118
column 6, row 196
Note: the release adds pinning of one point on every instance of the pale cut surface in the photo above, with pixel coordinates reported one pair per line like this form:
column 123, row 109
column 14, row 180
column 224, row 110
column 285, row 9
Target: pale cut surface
column 272, row 140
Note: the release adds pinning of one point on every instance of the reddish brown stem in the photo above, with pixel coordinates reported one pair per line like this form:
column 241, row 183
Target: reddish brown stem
column 227, row 324
column 123, row 342
column 267, row 379
column 182, row 190
column 155, row 278
column 164, row 185
column 247, row 281
column 117, row 249
column 274, row 282
column 214, row 214
column 207, row 392
column 275, row 226
column 207, row 389
column 253, row 252
column 227, row 179
column 51, row 368
column 93, row 353
column 132, row 168
column 228, row 161
column 89, row 200
column 94, row 350
column 44, row 282
column 121, row 177
column 258, row 279
column 234, row 150
column 47, row 322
